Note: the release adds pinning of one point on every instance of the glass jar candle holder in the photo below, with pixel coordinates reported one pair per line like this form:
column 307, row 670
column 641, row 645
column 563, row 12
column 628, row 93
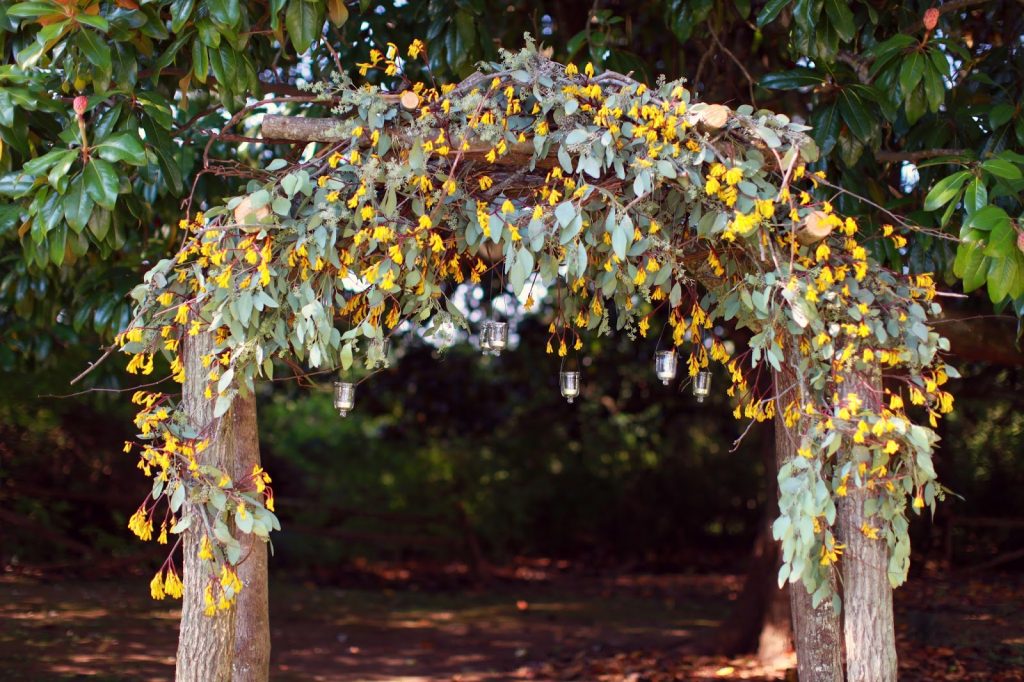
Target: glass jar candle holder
column 498, row 337
column 344, row 397
column 569, row 382
column 485, row 337
column 665, row 364
column 702, row 385
column 444, row 335
column 379, row 349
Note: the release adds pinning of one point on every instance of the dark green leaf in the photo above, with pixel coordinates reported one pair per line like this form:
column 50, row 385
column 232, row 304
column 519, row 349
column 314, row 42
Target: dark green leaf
column 1002, row 168
column 32, row 10
column 826, row 127
column 99, row 223
column 304, row 21
column 159, row 110
column 181, row 12
column 880, row 55
column 857, row 116
column 94, row 48
column 1002, row 240
column 1002, row 276
column 58, row 173
column 1000, row 114
column 934, row 88
column 95, row 20
column 771, row 10
column 123, row 147
column 42, row 164
column 101, row 182
column 224, row 12
column 987, row 219
column 976, row 196
column 842, row 18
column 944, row 190
column 792, row 79
column 58, row 239
column 971, row 266
column 911, row 72
column 77, row 204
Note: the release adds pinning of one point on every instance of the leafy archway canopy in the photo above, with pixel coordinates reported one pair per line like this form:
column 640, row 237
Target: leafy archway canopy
column 626, row 203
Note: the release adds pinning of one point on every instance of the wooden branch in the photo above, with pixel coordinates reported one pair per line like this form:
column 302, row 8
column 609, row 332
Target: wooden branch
column 301, row 129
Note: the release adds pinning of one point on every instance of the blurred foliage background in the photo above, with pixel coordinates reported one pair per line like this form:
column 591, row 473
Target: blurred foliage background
column 478, row 460
column 462, row 457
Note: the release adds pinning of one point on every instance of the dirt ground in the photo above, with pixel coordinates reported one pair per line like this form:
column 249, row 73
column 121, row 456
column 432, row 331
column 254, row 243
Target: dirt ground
column 630, row 628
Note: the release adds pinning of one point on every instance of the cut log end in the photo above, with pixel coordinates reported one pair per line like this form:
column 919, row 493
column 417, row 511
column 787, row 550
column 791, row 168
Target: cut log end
column 713, row 117
column 410, row 100
column 244, row 214
column 814, row 228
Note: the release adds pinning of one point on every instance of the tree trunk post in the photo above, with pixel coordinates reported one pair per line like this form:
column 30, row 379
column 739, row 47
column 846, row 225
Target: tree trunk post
column 251, row 662
column 816, row 631
column 868, row 624
column 205, row 643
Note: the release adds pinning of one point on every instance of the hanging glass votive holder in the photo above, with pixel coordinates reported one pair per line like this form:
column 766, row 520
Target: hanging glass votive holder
column 344, row 397
column 444, row 334
column 702, row 385
column 569, row 382
column 497, row 337
column 665, row 363
column 485, row 337
column 379, row 351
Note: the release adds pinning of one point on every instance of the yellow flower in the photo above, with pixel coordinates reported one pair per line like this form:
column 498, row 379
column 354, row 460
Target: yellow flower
column 486, row 182
column 205, row 549
column 869, row 531
column 822, row 252
column 831, row 556
column 156, row 586
column 173, row 585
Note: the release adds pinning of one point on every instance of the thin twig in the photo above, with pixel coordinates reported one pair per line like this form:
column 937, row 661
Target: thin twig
column 750, row 79
column 93, row 366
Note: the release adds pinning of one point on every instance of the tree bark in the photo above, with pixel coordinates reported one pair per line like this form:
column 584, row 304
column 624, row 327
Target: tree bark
column 205, row 643
column 251, row 662
column 816, row 632
column 868, row 626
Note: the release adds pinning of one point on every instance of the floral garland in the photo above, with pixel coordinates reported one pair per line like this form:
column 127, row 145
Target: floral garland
column 628, row 203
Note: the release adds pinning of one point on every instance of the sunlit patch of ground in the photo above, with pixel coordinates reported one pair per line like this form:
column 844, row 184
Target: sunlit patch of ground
column 622, row 628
